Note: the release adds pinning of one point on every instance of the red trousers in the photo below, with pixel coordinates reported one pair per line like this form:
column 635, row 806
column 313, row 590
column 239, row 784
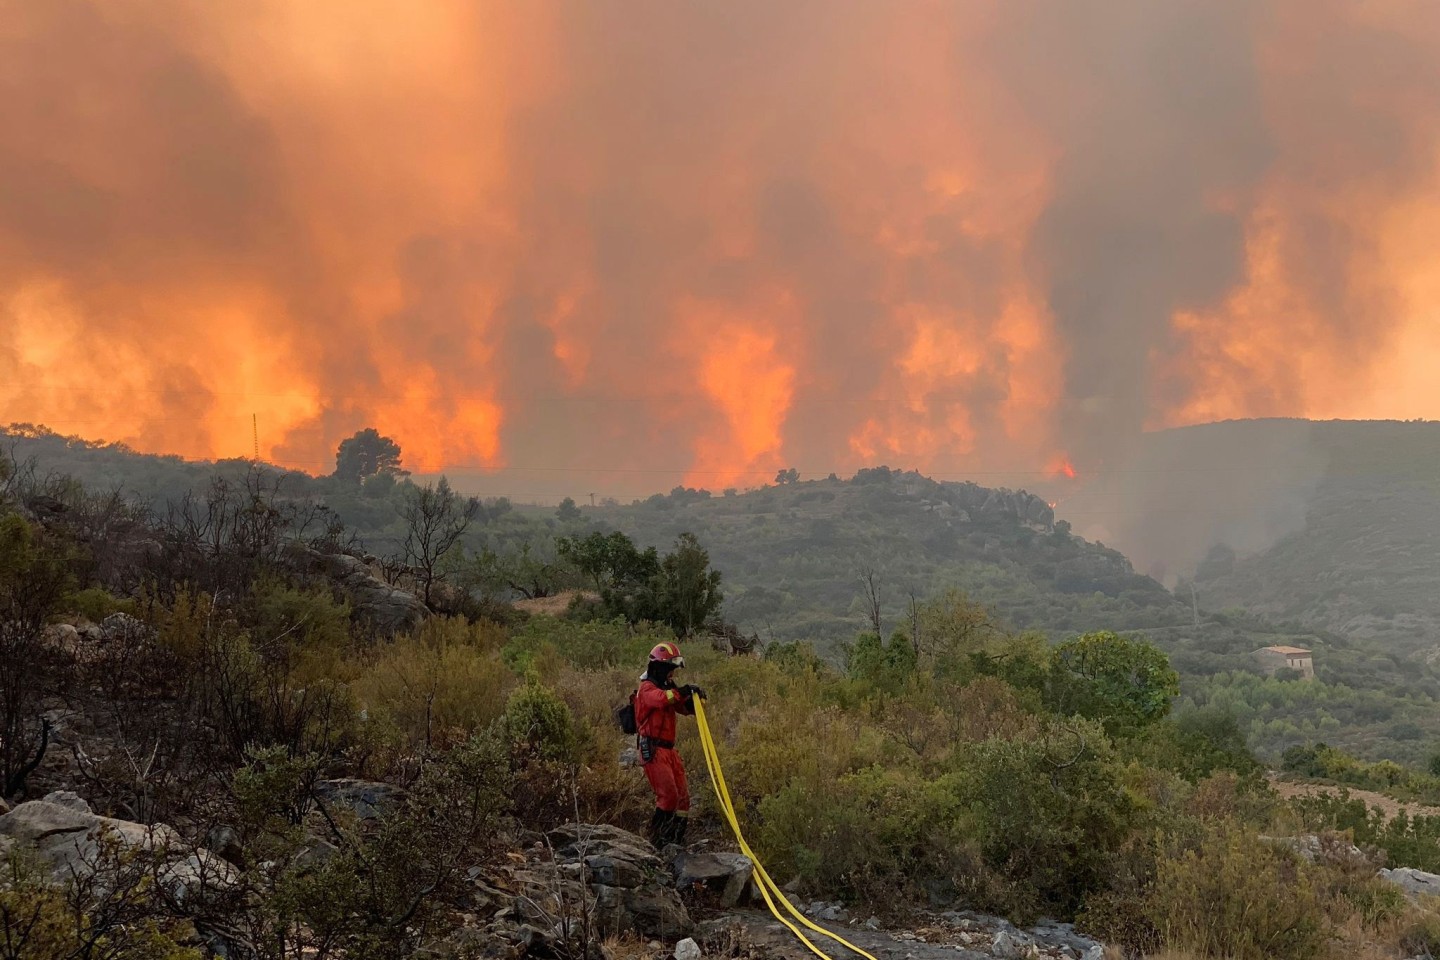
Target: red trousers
column 666, row 773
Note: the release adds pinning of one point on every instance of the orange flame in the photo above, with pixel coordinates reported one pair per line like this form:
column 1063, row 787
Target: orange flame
column 509, row 237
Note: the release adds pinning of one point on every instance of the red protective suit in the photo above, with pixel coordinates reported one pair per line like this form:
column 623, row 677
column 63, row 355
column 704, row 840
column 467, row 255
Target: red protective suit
column 655, row 712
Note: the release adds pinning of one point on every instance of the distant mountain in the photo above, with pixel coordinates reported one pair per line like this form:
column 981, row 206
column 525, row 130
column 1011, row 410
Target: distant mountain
column 793, row 555
column 1366, row 561
column 1337, row 529
column 1326, row 527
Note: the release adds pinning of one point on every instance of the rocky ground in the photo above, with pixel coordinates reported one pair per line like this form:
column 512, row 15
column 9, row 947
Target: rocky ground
column 949, row 937
column 593, row 883
column 582, row 881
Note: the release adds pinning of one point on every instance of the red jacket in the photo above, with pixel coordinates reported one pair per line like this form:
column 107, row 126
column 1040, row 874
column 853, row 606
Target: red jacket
column 656, row 708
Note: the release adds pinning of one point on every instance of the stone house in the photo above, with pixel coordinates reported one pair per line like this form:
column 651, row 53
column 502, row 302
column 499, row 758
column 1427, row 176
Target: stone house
column 1282, row 657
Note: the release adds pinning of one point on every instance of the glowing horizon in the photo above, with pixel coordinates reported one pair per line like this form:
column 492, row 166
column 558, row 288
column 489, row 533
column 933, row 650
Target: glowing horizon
column 669, row 236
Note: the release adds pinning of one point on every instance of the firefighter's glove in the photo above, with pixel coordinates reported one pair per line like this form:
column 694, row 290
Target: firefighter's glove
column 694, row 691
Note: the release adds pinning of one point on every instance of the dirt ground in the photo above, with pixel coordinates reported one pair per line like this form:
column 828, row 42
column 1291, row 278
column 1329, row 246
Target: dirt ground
column 1391, row 806
column 553, row 606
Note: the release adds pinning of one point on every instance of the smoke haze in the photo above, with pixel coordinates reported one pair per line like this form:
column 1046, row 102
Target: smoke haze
column 635, row 243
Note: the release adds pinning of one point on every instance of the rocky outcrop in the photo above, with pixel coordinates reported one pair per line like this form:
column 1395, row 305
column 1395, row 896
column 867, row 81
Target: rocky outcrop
column 385, row 608
column 1331, row 849
column 120, row 626
column 583, row 875
column 66, row 839
column 367, row 800
column 1415, row 883
column 727, row 875
column 999, row 503
column 68, row 799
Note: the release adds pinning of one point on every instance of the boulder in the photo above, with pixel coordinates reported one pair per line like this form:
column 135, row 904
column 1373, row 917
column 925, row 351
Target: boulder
column 828, row 912
column 40, row 820
column 1013, row 945
column 574, row 840
column 366, row 799
column 119, row 625
column 1415, row 883
column 315, row 852
column 614, row 874
column 727, row 874
column 63, row 636
column 1052, row 935
column 68, row 840
column 687, row 949
column 224, row 842
column 70, row 799
column 651, row 911
column 376, row 602
column 195, row 872
column 1330, row 849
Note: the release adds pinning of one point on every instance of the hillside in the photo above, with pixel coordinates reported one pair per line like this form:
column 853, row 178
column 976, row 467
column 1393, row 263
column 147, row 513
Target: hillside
column 793, row 554
column 1364, row 565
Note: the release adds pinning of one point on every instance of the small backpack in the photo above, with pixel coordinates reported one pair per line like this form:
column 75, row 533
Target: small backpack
column 625, row 716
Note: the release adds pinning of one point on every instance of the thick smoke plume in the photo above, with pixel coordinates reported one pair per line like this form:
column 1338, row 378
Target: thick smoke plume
column 614, row 245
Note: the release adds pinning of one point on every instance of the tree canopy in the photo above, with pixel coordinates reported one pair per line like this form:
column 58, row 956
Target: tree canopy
column 367, row 454
column 1103, row 674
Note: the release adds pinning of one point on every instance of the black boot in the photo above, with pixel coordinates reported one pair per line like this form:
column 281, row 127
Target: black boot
column 678, row 826
column 660, row 822
column 674, row 831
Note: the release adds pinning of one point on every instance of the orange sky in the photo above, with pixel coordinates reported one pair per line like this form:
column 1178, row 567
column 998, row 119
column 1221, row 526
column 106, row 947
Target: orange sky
column 671, row 239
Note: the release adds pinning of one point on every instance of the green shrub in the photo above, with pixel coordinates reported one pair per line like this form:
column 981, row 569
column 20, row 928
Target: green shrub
column 880, row 665
column 1411, row 841
column 119, row 916
column 298, row 627
column 95, row 604
column 796, row 655
column 538, row 725
column 385, row 887
column 1321, row 761
column 1376, row 902
column 1231, row 896
column 543, row 643
column 1047, row 814
column 1120, row 681
column 1195, row 744
column 796, row 740
column 868, row 836
column 1019, row 826
column 436, row 686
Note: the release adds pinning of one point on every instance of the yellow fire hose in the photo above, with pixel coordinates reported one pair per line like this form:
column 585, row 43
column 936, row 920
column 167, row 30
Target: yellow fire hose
column 764, row 884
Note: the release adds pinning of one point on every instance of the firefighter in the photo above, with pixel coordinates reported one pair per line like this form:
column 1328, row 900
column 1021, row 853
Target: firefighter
column 657, row 703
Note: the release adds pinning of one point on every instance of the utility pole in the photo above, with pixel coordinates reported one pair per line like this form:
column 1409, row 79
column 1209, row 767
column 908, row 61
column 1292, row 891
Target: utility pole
column 255, row 435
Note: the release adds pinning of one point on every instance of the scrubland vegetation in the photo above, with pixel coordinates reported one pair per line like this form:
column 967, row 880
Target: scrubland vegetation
column 953, row 761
